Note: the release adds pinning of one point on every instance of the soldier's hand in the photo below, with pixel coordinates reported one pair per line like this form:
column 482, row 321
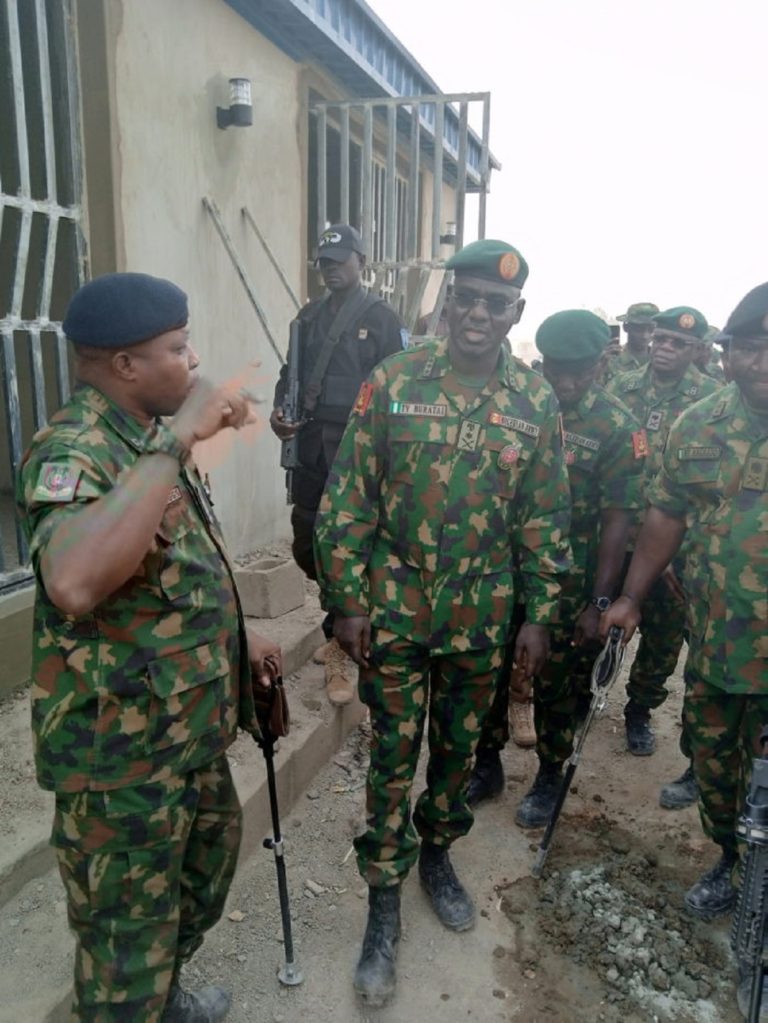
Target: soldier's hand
column 279, row 426
column 623, row 612
column 208, row 409
column 265, row 658
column 587, row 631
column 532, row 648
column 354, row 636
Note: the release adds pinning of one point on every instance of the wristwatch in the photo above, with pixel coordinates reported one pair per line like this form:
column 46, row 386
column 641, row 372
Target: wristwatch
column 165, row 442
column 601, row 603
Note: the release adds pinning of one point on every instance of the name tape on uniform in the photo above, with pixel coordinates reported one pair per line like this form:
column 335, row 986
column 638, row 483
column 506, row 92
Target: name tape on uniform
column 695, row 453
column 511, row 423
column 581, row 442
column 414, row 408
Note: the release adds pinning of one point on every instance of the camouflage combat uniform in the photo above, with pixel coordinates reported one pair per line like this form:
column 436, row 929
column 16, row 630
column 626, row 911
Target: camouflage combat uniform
column 436, row 485
column 133, row 707
column 656, row 407
column 604, row 453
column 715, row 476
column 624, row 362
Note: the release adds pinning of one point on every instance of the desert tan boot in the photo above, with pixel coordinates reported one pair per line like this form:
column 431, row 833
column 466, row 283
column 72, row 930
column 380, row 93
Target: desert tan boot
column 320, row 655
column 340, row 675
column 521, row 719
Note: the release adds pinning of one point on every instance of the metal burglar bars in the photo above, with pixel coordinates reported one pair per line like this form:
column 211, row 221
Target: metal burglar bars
column 42, row 247
column 378, row 189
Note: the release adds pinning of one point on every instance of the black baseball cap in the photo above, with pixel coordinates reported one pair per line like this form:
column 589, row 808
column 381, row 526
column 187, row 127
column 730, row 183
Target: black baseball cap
column 338, row 242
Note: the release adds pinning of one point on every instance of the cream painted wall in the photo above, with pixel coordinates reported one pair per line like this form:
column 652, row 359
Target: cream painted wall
column 171, row 65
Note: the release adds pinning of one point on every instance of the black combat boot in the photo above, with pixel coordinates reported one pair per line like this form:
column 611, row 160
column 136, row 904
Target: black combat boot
column 487, row 778
column 206, row 1006
column 448, row 895
column 375, row 973
column 641, row 738
column 681, row 792
column 714, row 894
column 539, row 801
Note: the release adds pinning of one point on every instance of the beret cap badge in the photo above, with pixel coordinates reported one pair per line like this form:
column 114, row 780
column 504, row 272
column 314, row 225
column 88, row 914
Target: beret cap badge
column 509, row 266
column 687, row 321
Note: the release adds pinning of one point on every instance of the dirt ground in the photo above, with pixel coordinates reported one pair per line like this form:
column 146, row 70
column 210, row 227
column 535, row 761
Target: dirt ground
column 601, row 937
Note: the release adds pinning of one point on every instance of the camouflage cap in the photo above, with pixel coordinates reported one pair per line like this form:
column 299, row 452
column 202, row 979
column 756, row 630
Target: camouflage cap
column 639, row 312
column 573, row 335
column 492, row 260
column 683, row 320
column 750, row 317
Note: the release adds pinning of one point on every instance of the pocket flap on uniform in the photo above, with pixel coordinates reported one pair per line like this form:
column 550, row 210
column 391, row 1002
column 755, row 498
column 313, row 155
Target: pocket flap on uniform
column 186, row 669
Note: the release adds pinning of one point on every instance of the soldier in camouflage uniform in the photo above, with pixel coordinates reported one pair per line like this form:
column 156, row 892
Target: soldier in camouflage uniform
column 604, row 452
column 450, row 465
column 140, row 657
column 656, row 395
column 712, row 490
column 637, row 323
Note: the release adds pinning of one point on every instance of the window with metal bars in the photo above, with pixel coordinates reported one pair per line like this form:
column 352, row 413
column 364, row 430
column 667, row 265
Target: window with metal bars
column 42, row 248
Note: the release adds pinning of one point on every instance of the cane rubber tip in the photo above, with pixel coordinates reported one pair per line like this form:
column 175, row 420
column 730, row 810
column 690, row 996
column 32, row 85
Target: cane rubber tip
column 290, row 976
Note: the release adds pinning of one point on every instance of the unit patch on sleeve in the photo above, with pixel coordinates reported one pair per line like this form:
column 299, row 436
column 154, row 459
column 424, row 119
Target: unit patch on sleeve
column 414, row 408
column 511, row 423
column 57, row 482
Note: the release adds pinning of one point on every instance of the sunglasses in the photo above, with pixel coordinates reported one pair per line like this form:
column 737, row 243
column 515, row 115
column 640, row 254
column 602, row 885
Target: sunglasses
column 496, row 305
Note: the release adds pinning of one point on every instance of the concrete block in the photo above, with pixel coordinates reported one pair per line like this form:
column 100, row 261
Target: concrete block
column 270, row 587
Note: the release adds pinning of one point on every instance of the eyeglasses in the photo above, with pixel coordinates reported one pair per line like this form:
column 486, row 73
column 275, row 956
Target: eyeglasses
column 678, row 343
column 496, row 305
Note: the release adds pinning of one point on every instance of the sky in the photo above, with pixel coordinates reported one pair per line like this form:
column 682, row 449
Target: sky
column 632, row 136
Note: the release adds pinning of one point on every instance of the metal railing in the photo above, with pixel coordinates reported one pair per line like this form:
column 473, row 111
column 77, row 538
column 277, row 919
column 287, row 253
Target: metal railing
column 42, row 245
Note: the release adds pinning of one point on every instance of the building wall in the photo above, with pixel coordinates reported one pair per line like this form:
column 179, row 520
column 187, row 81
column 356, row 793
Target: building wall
column 167, row 67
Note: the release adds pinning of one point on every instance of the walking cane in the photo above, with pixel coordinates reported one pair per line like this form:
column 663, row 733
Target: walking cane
column 289, row 974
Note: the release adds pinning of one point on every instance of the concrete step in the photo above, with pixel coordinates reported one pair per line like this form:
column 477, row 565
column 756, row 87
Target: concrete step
column 35, row 943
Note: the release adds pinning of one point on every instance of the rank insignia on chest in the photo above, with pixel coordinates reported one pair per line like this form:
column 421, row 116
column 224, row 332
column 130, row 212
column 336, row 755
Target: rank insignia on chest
column 508, row 456
column 512, row 423
column 363, row 399
column 174, row 496
column 57, row 482
column 755, row 474
column 468, row 435
column 654, row 421
column 415, row 408
column 362, row 334
column 640, row 444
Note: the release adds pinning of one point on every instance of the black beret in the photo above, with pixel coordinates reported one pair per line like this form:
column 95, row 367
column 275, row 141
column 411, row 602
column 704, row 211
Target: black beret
column 492, row 260
column 750, row 317
column 573, row 335
column 120, row 310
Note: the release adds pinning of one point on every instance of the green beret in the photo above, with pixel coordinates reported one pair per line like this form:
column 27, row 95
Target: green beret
column 573, row 335
column 492, row 260
column 639, row 312
column 123, row 309
column 683, row 320
column 750, row 317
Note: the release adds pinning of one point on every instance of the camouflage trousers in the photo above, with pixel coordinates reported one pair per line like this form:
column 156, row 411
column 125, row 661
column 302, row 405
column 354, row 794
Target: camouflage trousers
column 723, row 731
column 402, row 684
column 560, row 700
column 662, row 628
column 147, row 870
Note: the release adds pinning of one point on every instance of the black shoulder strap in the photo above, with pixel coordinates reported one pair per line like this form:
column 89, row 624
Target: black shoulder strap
column 353, row 308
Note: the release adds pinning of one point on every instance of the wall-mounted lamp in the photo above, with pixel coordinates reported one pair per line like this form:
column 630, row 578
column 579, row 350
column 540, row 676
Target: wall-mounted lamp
column 449, row 238
column 239, row 113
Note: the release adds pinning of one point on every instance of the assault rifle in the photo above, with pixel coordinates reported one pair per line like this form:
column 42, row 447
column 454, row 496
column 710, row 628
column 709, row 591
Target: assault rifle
column 749, row 934
column 604, row 673
column 289, row 452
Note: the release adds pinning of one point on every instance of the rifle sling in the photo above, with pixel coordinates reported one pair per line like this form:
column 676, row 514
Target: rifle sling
column 352, row 309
